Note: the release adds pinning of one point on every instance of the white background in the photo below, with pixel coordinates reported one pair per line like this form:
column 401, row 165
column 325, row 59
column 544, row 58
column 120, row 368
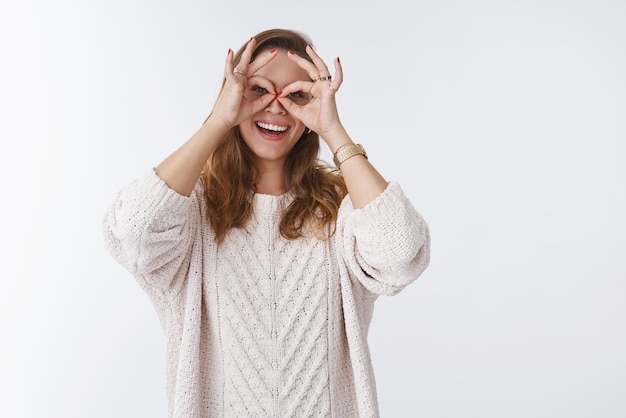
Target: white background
column 502, row 120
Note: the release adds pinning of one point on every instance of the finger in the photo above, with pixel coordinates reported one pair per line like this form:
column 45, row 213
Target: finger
column 299, row 92
column 228, row 65
column 258, row 81
column 305, row 64
column 261, row 61
column 231, row 73
column 338, row 78
column 256, row 88
column 290, row 106
column 261, row 103
column 243, row 63
column 322, row 69
column 297, row 86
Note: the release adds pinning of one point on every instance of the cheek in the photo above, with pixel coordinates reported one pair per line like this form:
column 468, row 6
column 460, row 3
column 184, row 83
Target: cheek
column 299, row 128
column 245, row 129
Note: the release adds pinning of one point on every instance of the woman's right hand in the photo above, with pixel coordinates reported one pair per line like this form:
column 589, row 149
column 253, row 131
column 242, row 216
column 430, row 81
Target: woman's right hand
column 233, row 105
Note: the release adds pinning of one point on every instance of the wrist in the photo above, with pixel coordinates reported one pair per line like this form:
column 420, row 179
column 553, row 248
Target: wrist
column 336, row 138
column 346, row 152
column 215, row 125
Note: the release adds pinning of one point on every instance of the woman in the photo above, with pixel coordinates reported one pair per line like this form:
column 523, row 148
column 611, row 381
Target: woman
column 262, row 262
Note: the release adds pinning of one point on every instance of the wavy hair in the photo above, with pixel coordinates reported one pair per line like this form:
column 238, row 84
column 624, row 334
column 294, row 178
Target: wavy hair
column 229, row 175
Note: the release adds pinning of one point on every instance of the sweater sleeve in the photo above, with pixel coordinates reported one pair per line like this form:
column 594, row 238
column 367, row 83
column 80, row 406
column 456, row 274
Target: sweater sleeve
column 150, row 229
column 386, row 244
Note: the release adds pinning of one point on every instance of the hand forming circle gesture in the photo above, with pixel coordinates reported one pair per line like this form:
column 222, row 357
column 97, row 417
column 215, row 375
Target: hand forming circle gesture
column 232, row 106
column 320, row 113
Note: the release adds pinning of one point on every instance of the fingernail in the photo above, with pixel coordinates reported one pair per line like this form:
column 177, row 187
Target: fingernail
column 272, row 51
column 291, row 52
column 251, row 39
column 338, row 60
column 229, row 51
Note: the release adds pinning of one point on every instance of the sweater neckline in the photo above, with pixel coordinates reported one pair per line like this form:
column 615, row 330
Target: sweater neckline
column 271, row 203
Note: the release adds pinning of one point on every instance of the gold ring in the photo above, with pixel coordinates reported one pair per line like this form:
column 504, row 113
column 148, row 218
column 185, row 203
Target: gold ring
column 238, row 71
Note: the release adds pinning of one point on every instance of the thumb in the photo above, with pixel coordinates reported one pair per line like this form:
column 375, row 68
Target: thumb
column 262, row 102
column 290, row 106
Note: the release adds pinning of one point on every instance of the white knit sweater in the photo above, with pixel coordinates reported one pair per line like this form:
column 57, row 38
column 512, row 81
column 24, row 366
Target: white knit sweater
column 261, row 326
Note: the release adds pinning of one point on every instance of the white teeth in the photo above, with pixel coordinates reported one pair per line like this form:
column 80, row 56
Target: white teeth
column 271, row 127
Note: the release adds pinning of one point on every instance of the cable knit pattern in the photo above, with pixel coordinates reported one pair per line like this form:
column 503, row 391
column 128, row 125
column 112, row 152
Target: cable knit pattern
column 275, row 332
column 261, row 326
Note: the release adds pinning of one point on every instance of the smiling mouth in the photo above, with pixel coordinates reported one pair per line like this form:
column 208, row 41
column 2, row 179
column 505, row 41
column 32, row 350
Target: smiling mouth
column 271, row 129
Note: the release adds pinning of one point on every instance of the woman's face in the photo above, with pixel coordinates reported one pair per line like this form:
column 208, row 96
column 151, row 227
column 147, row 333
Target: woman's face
column 272, row 132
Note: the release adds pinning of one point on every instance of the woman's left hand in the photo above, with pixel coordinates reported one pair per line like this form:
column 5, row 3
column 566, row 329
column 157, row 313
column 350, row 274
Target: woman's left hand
column 320, row 113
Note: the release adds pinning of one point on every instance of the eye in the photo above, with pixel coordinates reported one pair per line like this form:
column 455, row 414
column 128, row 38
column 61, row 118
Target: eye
column 259, row 90
column 300, row 97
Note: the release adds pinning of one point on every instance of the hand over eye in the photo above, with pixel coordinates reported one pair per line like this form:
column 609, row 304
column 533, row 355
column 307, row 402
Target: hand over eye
column 313, row 101
column 240, row 98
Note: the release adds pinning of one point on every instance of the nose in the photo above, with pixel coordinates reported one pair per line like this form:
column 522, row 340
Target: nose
column 275, row 108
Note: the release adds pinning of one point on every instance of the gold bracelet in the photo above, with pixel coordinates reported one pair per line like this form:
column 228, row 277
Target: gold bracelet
column 347, row 151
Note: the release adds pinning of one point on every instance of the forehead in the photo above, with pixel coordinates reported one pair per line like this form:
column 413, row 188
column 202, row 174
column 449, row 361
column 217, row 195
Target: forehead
column 282, row 71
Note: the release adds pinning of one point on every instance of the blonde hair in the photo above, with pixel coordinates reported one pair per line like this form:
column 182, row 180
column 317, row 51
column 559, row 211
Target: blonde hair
column 229, row 175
